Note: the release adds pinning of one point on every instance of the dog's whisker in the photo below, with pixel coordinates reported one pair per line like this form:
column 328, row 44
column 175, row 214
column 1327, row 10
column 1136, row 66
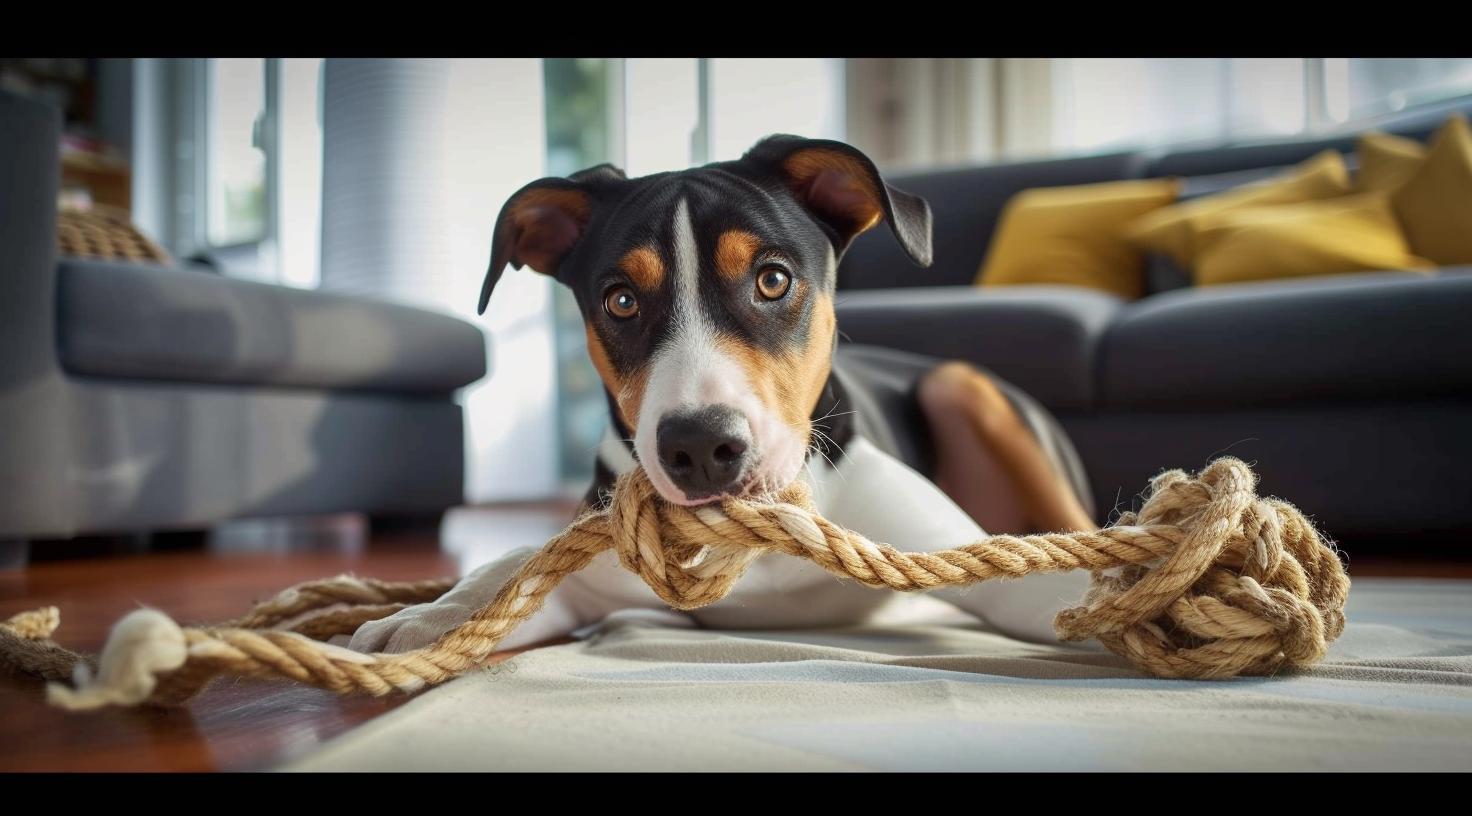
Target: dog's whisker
column 829, row 440
column 834, row 412
column 813, row 448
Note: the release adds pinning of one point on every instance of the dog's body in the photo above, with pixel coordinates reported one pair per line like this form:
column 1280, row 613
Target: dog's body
column 708, row 298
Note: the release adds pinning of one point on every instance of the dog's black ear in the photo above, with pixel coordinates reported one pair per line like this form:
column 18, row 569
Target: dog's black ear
column 842, row 188
column 542, row 222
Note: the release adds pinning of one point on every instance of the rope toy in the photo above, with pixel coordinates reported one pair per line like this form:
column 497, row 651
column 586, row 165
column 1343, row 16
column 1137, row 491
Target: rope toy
column 1207, row 581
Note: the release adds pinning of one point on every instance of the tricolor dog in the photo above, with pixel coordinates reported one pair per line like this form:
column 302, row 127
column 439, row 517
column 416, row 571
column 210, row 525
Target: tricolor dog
column 708, row 297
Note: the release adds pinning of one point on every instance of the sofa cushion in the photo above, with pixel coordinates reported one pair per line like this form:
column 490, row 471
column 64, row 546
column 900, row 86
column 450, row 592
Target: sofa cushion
column 1387, row 161
column 1043, row 339
column 148, row 322
column 1072, row 236
column 1435, row 204
column 1174, row 230
column 1353, row 233
column 1278, row 342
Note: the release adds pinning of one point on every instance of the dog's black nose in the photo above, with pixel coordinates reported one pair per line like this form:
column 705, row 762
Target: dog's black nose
column 704, row 451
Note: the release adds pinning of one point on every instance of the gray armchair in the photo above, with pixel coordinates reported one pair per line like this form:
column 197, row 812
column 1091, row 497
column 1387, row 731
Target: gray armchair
column 141, row 398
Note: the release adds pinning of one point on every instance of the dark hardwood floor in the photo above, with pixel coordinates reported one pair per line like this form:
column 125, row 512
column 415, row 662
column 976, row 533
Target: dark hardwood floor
column 251, row 725
column 241, row 725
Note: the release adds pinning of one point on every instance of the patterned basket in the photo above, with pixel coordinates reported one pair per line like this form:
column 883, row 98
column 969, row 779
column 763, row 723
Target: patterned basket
column 105, row 233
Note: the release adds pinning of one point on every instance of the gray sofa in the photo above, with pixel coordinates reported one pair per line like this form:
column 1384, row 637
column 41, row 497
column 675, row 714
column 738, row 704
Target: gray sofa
column 142, row 398
column 1352, row 394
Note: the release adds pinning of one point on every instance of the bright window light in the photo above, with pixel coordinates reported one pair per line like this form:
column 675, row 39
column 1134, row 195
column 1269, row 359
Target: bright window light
column 753, row 98
column 237, row 166
column 300, row 165
column 662, row 110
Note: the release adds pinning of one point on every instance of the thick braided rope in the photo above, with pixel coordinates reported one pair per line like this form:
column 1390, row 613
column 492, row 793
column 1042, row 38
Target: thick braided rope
column 1209, row 580
column 25, row 645
column 345, row 590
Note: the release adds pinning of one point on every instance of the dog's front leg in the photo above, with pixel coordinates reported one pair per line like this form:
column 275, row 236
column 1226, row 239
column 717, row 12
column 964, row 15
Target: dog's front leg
column 581, row 599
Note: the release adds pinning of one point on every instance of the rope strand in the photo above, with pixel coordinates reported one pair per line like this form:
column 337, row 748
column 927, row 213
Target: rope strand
column 1207, row 581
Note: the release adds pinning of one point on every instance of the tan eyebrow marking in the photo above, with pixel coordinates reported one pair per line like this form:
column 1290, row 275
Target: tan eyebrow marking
column 644, row 268
column 734, row 253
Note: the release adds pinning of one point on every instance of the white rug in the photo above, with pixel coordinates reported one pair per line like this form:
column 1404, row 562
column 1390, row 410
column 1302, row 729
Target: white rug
column 1394, row 694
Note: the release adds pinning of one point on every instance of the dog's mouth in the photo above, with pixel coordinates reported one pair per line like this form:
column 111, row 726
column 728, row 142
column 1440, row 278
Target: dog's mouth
column 740, row 491
column 750, row 486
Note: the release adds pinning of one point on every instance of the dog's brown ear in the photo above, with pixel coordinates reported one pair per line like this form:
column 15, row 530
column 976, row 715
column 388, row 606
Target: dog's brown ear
column 542, row 222
column 842, row 188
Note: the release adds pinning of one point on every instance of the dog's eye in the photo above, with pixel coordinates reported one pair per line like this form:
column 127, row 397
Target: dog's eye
column 773, row 282
column 621, row 303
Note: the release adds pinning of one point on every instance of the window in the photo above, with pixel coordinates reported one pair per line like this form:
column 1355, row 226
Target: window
column 1107, row 104
column 1364, row 88
column 1103, row 104
column 579, row 119
column 299, row 129
column 235, row 164
column 249, row 195
column 752, row 98
column 1265, row 97
column 662, row 121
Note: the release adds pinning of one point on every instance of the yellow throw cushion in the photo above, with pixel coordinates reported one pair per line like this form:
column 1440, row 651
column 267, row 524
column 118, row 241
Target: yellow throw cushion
column 1169, row 230
column 1386, row 161
column 1074, row 236
column 1356, row 233
column 1435, row 205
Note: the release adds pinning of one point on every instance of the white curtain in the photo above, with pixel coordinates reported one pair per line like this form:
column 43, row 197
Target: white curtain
column 932, row 112
column 418, row 157
column 911, row 113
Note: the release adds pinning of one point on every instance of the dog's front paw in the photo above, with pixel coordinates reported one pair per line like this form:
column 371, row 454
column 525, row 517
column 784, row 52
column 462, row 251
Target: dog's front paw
column 420, row 625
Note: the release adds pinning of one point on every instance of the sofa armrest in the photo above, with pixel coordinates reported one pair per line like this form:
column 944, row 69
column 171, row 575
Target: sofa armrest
column 30, row 170
column 33, row 395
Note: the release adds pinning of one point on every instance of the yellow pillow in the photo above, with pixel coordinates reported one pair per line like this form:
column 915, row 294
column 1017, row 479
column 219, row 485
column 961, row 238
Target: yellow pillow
column 1435, row 205
column 1386, row 161
column 1356, row 233
column 1169, row 230
column 1073, row 236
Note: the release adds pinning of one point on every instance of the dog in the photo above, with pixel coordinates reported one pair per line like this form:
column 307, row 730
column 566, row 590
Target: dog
column 708, row 301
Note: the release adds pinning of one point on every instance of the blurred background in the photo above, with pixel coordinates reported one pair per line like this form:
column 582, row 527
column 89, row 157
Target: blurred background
column 383, row 177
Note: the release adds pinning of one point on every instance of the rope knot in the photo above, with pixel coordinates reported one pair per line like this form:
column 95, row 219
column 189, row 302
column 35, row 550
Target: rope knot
column 1249, row 588
column 692, row 556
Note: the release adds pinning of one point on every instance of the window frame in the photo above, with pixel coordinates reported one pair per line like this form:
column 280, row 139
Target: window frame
column 194, row 171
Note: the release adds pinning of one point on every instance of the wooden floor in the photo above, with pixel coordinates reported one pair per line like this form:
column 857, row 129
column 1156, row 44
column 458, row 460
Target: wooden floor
column 252, row 725
column 244, row 725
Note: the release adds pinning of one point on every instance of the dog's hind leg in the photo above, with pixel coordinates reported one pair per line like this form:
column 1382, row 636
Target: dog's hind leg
column 989, row 461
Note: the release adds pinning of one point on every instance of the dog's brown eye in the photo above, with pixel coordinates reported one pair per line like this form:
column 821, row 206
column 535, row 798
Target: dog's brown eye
column 773, row 282
column 621, row 303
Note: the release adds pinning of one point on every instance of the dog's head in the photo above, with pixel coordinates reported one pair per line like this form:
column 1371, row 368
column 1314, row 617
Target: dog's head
column 707, row 296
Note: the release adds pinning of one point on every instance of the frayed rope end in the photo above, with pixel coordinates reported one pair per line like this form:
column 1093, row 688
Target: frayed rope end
column 142, row 645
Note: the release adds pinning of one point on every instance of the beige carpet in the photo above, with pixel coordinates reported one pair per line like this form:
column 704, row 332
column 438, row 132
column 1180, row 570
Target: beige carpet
column 1395, row 694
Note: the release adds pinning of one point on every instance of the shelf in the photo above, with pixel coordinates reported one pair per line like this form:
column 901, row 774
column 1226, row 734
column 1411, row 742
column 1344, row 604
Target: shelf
column 92, row 162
